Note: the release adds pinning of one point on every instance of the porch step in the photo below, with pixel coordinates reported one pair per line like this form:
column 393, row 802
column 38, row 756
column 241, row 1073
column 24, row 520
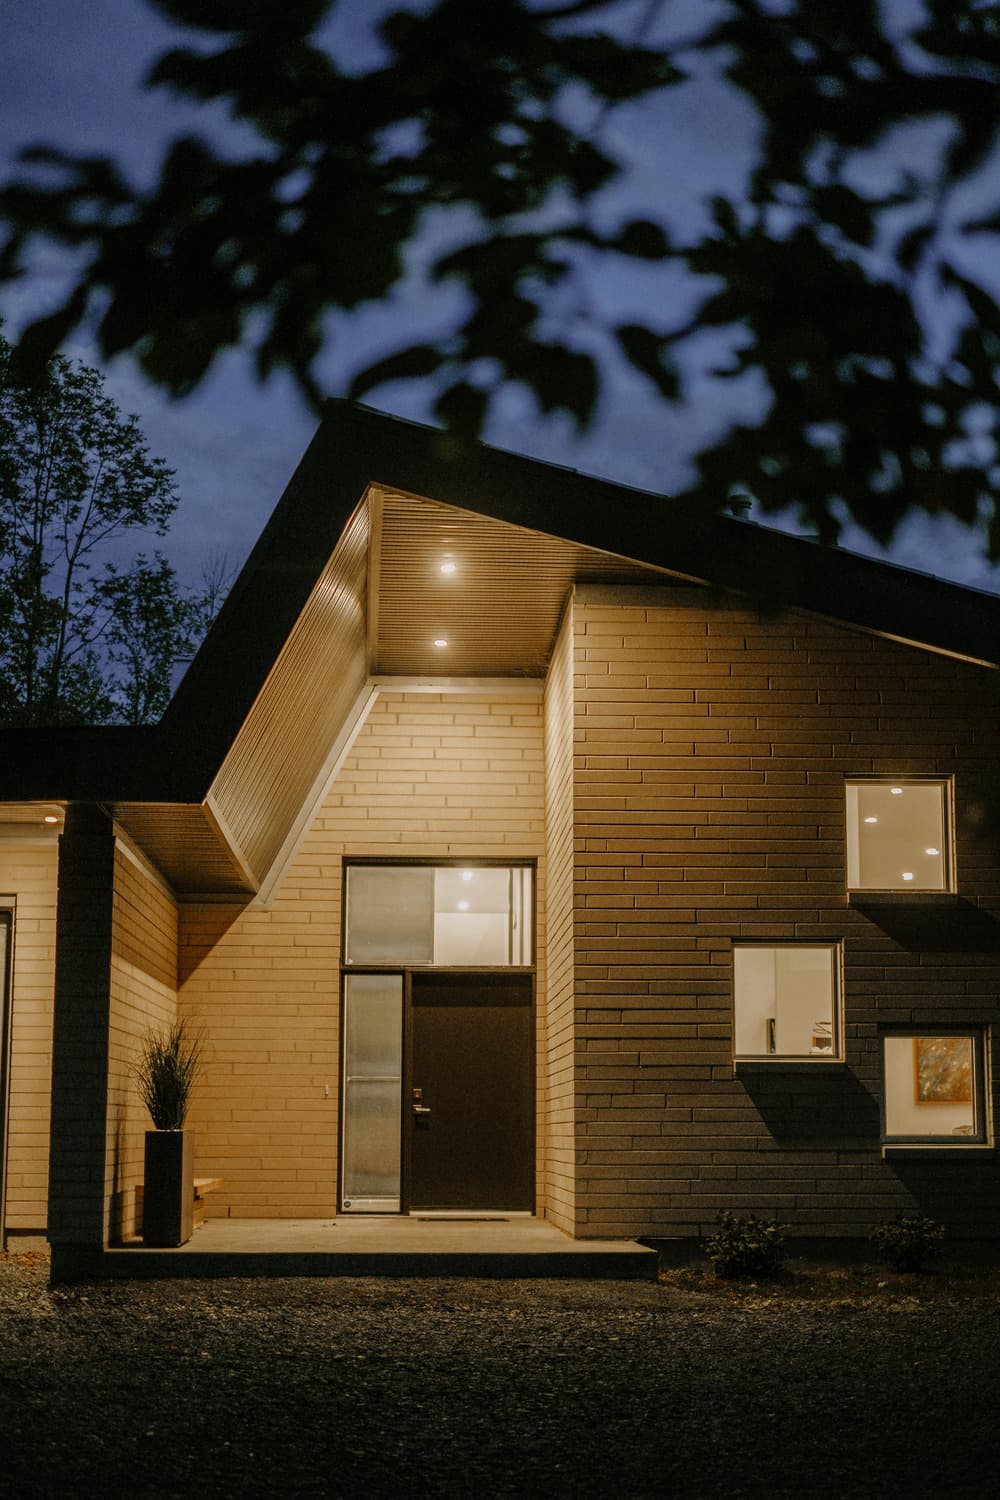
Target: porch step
column 362, row 1245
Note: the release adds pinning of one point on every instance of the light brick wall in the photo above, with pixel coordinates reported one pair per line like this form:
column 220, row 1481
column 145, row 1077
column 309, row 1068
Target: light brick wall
column 711, row 752
column 561, row 1145
column 143, row 996
column 430, row 775
column 28, row 880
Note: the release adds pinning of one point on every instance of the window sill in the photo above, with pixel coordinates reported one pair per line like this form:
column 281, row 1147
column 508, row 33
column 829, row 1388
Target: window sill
column 750, row 1065
column 925, row 1151
column 902, row 898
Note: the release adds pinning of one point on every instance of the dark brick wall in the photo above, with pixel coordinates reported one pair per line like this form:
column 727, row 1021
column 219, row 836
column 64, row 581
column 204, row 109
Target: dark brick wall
column 711, row 749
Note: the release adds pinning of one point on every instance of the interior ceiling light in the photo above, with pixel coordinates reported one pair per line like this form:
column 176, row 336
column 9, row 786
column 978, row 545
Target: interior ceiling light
column 449, row 567
column 932, row 851
column 440, row 641
column 897, row 791
column 871, row 820
column 907, row 874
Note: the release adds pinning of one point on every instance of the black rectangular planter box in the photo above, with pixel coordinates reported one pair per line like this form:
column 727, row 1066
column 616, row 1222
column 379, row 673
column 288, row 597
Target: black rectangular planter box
column 168, row 1194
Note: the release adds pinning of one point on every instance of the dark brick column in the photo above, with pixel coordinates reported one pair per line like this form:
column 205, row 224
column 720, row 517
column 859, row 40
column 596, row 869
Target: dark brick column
column 78, row 1150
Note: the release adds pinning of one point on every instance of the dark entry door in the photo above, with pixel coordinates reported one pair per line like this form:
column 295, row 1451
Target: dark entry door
column 469, row 1099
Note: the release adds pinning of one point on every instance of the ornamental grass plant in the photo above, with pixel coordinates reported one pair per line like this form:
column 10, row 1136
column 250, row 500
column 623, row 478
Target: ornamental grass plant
column 165, row 1072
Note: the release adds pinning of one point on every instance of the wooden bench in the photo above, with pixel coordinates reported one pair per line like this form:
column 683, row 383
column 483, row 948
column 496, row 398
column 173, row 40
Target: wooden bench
column 202, row 1187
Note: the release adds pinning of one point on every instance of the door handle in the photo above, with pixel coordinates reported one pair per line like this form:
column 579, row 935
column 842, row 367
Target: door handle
column 421, row 1109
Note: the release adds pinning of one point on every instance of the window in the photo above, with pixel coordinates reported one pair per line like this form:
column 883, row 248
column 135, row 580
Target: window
column 468, row 916
column 787, row 1000
column 898, row 835
column 933, row 1086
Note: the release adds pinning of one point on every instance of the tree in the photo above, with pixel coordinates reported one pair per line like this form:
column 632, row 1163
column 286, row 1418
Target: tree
column 843, row 274
column 82, row 641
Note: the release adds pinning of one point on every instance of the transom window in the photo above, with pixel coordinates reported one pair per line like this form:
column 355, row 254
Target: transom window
column 787, row 1000
column 899, row 835
column 933, row 1086
column 466, row 916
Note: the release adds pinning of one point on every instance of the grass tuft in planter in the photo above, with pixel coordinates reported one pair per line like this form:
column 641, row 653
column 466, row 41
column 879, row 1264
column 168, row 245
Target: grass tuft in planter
column 165, row 1073
column 744, row 1245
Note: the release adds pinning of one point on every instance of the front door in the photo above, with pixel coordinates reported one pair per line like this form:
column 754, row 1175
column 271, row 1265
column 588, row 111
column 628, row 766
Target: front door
column 469, row 1127
column 437, row 1098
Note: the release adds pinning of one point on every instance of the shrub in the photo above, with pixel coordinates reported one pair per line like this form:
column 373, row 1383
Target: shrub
column 744, row 1245
column 908, row 1241
column 165, row 1072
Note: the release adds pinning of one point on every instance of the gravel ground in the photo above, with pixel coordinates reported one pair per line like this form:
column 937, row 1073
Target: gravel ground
column 368, row 1387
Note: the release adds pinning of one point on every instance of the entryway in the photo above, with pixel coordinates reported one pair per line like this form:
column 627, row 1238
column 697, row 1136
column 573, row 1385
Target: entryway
column 438, row 1039
column 439, row 1092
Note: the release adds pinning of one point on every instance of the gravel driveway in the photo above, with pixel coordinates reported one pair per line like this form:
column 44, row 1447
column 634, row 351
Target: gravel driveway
column 364, row 1387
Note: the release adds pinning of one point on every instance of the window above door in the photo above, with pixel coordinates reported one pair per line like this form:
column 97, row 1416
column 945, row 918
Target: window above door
column 462, row 916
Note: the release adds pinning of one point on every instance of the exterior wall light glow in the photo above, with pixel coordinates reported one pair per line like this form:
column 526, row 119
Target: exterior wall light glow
column 50, row 818
column 463, row 906
column 871, row 820
column 897, row 791
column 932, row 851
column 466, row 874
column 907, row 874
column 440, row 641
column 449, row 567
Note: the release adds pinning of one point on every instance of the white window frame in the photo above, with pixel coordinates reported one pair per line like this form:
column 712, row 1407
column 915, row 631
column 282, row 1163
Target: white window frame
column 947, row 835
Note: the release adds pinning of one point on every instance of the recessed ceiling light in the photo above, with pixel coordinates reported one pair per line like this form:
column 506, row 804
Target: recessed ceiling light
column 907, row 874
column 440, row 641
column 449, row 567
column 932, row 851
column 871, row 820
column 897, row 791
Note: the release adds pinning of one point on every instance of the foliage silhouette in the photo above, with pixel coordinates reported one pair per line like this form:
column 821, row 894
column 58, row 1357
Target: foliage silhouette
column 84, row 638
column 839, row 276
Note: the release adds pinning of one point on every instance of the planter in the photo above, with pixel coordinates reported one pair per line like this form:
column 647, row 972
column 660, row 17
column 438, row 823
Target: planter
column 168, row 1194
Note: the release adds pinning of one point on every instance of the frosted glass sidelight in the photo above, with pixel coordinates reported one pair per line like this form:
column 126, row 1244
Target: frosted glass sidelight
column 373, row 1030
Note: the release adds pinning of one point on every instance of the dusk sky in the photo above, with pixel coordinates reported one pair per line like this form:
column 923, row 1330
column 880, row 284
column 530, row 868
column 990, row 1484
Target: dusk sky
column 72, row 78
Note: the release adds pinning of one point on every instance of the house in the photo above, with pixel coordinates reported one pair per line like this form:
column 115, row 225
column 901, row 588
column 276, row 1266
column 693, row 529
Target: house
column 519, row 841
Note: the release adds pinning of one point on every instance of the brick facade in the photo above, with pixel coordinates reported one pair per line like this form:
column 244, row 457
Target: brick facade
column 28, row 879
column 681, row 787
column 430, row 776
column 711, row 748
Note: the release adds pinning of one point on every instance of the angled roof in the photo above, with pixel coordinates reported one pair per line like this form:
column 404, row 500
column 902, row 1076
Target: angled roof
column 344, row 588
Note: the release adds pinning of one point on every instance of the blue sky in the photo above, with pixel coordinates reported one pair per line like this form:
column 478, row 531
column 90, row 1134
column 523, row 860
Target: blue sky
column 73, row 78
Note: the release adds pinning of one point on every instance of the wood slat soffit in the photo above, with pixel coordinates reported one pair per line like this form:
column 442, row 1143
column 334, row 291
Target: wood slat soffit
column 500, row 607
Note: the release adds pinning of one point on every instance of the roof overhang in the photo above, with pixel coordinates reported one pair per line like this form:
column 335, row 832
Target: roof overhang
column 345, row 590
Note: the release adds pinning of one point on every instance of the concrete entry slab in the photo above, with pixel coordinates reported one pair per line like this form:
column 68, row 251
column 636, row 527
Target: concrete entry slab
column 373, row 1245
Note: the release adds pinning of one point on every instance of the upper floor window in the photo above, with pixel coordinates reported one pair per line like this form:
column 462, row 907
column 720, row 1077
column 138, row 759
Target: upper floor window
column 786, row 1000
column 899, row 835
column 464, row 915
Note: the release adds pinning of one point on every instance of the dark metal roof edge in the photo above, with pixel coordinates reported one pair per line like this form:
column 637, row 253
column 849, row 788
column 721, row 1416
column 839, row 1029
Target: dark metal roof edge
column 773, row 568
